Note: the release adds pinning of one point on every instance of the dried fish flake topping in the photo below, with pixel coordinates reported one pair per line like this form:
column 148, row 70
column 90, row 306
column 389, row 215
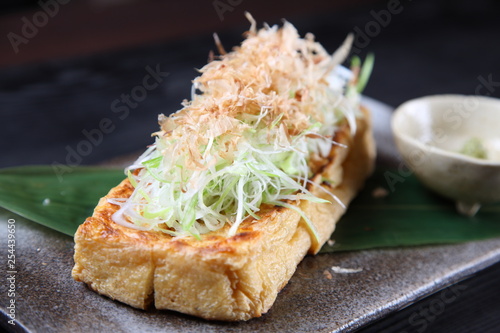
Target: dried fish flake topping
column 265, row 111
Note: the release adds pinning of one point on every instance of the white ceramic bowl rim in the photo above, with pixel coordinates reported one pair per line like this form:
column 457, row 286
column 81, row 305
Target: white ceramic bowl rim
column 399, row 112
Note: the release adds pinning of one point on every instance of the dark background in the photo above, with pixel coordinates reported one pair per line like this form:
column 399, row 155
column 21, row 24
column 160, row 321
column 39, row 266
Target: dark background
column 65, row 77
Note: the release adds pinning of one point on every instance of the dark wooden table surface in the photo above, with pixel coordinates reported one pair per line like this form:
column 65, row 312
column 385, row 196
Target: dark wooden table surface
column 66, row 66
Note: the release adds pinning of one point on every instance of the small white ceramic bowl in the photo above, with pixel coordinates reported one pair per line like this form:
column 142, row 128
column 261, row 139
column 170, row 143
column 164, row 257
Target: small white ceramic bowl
column 430, row 133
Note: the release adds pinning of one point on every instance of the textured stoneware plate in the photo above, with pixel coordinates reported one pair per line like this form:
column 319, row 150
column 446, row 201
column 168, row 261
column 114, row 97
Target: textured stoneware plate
column 48, row 300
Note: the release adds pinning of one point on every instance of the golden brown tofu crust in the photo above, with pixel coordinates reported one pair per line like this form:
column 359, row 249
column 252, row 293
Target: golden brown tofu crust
column 218, row 277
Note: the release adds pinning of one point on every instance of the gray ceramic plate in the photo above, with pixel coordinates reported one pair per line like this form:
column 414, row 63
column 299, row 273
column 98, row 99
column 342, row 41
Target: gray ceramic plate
column 48, row 300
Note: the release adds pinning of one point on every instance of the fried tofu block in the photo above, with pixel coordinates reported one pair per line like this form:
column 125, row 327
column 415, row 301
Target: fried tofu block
column 218, row 277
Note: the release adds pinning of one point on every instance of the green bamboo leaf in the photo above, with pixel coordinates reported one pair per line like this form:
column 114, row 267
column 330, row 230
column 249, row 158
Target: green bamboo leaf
column 409, row 215
column 36, row 193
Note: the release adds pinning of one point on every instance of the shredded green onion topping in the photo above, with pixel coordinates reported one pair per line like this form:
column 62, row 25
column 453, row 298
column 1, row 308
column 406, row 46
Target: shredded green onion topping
column 266, row 112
